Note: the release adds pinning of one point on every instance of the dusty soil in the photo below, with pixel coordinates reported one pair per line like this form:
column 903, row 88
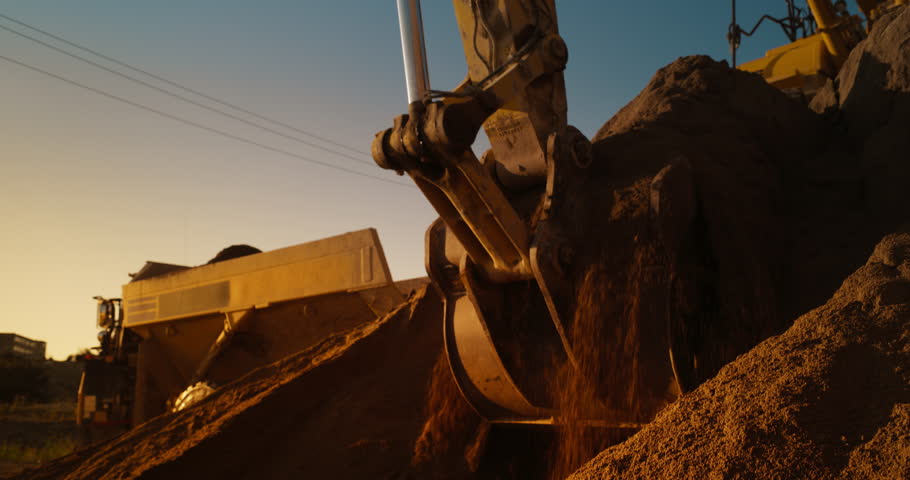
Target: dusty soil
column 829, row 398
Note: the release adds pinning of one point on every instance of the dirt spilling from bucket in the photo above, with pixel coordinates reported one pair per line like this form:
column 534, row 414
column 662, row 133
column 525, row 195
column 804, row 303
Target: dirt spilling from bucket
column 599, row 385
column 450, row 430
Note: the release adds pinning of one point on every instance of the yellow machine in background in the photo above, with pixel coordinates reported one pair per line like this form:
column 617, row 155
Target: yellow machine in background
column 829, row 33
column 179, row 332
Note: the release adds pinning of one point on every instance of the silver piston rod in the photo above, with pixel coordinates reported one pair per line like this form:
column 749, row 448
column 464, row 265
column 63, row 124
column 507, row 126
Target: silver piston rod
column 412, row 48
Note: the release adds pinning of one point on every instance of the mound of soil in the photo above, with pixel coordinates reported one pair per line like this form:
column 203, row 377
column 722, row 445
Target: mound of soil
column 829, row 398
column 349, row 407
column 233, row 251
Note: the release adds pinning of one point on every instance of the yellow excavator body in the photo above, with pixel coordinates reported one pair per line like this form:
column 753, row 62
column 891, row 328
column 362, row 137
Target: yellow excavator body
column 803, row 65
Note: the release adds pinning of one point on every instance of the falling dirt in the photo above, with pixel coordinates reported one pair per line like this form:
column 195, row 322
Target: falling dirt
column 450, row 430
column 603, row 385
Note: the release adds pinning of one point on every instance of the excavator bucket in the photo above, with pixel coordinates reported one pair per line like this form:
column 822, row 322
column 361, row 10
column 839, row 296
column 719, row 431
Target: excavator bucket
column 202, row 327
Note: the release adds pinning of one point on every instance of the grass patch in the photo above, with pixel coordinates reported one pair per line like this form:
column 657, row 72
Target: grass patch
column 50, row 448
column 39, row 412
column 37, row 432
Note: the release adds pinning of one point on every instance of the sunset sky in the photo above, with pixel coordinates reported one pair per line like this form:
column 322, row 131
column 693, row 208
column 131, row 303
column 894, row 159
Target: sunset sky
column 91, row 188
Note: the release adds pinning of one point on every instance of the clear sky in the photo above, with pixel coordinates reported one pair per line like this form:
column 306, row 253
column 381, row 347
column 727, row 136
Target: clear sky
column 91, row 188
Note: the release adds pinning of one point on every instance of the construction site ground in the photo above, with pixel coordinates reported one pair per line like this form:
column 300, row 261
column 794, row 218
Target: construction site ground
column 781, row 231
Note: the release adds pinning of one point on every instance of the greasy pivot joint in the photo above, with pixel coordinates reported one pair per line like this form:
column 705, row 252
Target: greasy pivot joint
column 399, row 148
column 429, row 128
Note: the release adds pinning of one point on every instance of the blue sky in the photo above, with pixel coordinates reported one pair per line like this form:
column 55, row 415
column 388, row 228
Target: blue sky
column 91, row 188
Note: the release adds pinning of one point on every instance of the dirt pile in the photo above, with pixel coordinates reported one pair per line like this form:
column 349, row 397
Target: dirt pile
column 690, row 243
column 830, row 397
column 857, row 190
column 794, row 406
column 349, row 407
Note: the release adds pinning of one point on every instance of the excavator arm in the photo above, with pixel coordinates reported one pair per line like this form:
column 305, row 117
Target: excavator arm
column 496, row 254
column 515, row 91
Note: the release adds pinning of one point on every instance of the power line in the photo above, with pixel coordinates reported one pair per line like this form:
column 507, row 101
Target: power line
column 185, row 99
column 183, row 87
column 201, row 126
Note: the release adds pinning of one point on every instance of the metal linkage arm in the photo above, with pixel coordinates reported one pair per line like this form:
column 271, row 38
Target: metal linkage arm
column 515, row 92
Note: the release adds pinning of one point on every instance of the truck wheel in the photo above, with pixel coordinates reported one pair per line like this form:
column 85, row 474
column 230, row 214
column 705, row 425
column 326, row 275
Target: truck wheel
column 194, row 394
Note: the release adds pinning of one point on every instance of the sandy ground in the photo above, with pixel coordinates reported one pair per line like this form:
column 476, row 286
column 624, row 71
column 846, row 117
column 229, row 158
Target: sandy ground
column 829, row 398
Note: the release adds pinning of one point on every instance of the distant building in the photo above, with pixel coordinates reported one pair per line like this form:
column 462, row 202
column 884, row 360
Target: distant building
column 19, row 346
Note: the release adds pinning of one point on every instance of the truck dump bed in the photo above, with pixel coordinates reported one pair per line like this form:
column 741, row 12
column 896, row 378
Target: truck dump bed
column 272, row 304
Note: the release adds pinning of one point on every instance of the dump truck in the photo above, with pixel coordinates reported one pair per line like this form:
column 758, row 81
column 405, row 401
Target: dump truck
column 179, row 332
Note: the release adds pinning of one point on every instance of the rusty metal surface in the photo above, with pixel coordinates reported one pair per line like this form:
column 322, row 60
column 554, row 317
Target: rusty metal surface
column 479, row 367
column 287, row 299
column 345, row 263
column 494, row 35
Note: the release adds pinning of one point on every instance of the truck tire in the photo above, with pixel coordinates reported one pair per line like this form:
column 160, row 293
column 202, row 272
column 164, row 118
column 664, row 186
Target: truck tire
column 194, row 394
